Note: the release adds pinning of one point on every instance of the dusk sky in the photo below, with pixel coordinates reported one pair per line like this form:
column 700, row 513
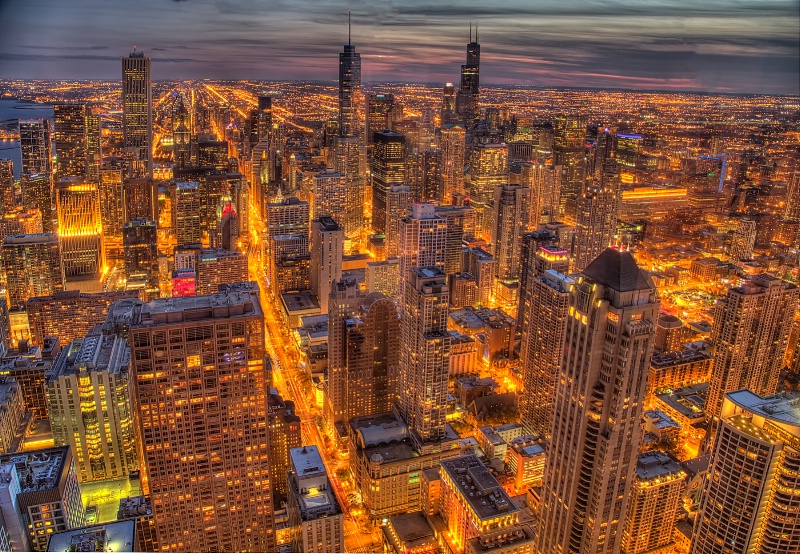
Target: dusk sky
column 715, row 45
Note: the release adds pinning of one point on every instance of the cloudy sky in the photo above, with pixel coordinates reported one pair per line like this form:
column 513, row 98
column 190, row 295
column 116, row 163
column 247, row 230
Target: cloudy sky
column 714, row 45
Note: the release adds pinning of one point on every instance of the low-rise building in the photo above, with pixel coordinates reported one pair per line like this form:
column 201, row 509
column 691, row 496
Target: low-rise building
column 492, row 444
column 116, row 536
column 478, row 514
column 525, row 461
column 314, row 513
column 409, row 533
column 678, row 369
column 139, row 509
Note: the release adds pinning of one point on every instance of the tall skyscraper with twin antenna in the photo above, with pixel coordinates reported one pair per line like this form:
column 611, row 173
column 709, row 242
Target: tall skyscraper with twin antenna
column 349, row 88
column 467, row 98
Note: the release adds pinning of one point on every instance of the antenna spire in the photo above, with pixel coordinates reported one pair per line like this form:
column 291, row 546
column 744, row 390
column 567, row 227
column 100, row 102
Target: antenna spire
column 470, row 31
column 476, row 31
column 348, row 27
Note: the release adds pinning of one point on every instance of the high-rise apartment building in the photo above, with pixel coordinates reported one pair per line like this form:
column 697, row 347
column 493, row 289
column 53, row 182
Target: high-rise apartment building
column 479, row 263
column 8, row 193
column 327, row 250
column 140, row 252
column 137, row 115
column 653, row 507
column 569, row 152
column 510, row 221
column 460, row 223
column 545, row 184
column 753, row 486
column 542, row 347
column 112, row 209
column 596, row 220
column 80, row 228
column 452, row 143
column 388, row 168
column 36, row 148
column 12, row 411
column 69, row 136
column 350, row 97
column 94, row 145
column 69, row 314
column 423, row 239
column 37, row 194
column 88, row 401
column 424, row 353
column 205, row 446
column 284, row 434
column 186, row 213
column 33, row 267
column 488, row 169
column 750, row 334
column 447, row 114
column 598, row 404
column 363, row 352
column 216, row 266
column 399, row 199
column 380, row 112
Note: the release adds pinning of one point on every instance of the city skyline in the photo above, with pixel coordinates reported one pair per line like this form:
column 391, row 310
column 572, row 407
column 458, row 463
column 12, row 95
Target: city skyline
column 738, row 47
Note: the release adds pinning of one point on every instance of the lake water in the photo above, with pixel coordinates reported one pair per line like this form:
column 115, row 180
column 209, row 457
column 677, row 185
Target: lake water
column 10, row 112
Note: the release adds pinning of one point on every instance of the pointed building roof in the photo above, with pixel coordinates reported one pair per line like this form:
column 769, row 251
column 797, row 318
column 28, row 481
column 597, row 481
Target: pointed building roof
column 618, row 270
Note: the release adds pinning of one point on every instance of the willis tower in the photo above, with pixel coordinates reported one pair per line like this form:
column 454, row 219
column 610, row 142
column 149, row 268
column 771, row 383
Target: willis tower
column 349, row 88
column 467, row 99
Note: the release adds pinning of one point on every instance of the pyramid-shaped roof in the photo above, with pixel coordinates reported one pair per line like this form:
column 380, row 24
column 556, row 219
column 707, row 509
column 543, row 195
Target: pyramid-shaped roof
column 617, row 269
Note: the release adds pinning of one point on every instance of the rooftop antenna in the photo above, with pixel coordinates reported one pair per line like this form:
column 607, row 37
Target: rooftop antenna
column 470, row 31
column 348, row 27
column 476, row 31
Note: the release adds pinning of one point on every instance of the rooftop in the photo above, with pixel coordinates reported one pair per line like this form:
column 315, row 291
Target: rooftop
column 782, row 408
column 651, row 465
column 306, row 460
column 618, row 270
column 95, row 352
column 412, row 529
column 37, row 470
column 117, row 536
column 478, row 486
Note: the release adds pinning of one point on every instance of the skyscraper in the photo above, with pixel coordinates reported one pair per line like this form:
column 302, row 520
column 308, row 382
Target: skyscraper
column 379, row 114
column 35, row 146
column 33, row 267
column 137, row 115
column 363, row 352
column 598, row 403
column 569, row 151
column 452, row 144
column 205, row 446
column 69, row 135
column 750, row 498
column 8, row 196
column 750, row 333
column 186, row 213
column 488, row 168
column 37, row 194
column 80, row 227
column 94, row 146
column 653, row 508
column 467, row 100
column 423, row 239
column 349, row 89
column 327, row 249
column 388, row 168
column 424, row 353
column 596, row 219
column 510, row 221
column 542, row 347
column 399, row 200
column 448, row 114
column 181, row 133
column 264, row 117
column 99, row 428
column 140, row 249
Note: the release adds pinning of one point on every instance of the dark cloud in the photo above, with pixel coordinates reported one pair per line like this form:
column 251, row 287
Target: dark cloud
column 744, row 45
